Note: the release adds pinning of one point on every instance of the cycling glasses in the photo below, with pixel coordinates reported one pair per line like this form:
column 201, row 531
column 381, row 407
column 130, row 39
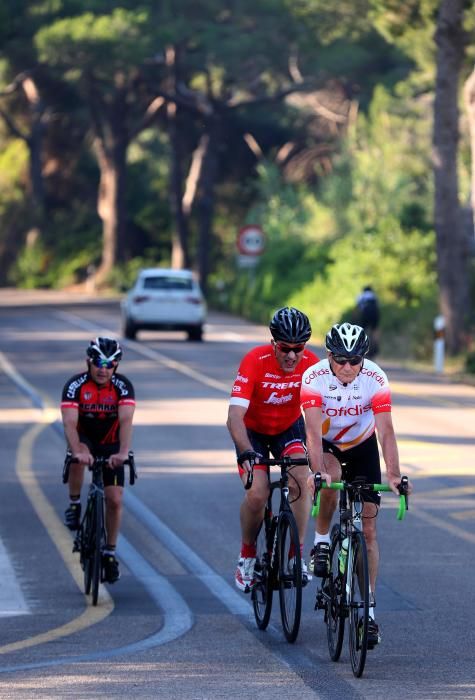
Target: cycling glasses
column 104, row 364
column 353, row 361
column 286, row 348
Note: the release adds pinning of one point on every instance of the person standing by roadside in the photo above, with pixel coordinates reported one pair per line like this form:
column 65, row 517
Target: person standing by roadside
column 368, row 317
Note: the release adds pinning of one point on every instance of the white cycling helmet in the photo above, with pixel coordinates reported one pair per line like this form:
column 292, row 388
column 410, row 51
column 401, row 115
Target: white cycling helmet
column 347, row 339
column 106, row 349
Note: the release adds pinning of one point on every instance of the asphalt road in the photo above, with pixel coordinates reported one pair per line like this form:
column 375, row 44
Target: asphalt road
column 174, row 626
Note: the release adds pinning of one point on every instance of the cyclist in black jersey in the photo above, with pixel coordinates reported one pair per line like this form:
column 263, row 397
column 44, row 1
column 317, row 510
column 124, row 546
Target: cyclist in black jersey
column 97, row 408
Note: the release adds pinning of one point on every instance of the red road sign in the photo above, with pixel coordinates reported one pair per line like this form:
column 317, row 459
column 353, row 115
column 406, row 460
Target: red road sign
column 251, row 240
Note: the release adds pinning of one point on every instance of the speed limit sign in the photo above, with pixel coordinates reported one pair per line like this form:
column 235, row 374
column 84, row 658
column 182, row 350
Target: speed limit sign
column 251, row 240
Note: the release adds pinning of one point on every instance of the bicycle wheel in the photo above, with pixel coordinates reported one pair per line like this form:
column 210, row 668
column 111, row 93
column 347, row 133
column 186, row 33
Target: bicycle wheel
column 87, row 547
column 358, row 603
column 335, row 597
column 96, row 553
column 262, row 592
column 290, row 575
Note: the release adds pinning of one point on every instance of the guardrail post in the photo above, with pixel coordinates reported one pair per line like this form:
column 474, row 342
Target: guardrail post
column 439, row 343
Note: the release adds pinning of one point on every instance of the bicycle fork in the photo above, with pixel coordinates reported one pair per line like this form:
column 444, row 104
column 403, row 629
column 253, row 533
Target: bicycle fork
column 357, row 523
column 274, row 542
column 284, row 500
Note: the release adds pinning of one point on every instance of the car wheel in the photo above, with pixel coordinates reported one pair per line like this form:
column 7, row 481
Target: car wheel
column 195, row 333
column 130, row 329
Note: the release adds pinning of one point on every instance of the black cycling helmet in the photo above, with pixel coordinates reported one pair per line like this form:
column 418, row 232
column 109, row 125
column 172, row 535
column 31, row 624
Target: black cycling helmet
column 106, row 349
column 347, row 339
column 290, row 325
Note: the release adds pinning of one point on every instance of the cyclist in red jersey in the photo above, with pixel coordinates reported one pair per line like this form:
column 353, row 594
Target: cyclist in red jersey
column 97, row 408
column 265, row 417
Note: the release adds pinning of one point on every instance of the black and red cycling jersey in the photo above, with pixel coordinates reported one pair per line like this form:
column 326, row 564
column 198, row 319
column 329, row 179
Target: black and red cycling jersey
column 270, row 395
column 98, row 406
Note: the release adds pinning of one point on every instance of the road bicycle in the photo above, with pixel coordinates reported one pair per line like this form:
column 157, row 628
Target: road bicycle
column 278, row 559
column 345, row 592
column 91, row 535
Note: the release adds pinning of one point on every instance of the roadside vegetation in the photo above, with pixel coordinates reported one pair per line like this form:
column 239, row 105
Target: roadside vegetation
column 148, row 133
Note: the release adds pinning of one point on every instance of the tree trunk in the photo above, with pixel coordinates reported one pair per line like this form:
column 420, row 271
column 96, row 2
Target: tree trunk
column 111, row 208
column 180, row 249
column 180, row 257
column 110, row 143
column 469, row 95
column 16, row 233
column 452, row 244
column 35, row 145
column 205, row 199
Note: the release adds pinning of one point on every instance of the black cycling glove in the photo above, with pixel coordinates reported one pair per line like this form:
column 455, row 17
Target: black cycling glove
column 247, row 455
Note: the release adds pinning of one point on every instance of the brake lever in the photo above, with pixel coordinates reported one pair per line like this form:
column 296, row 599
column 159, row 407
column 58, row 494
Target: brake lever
column 250, row 478
column 403, row 488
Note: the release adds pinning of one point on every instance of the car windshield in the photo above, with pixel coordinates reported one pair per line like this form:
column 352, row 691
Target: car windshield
column 177, row 283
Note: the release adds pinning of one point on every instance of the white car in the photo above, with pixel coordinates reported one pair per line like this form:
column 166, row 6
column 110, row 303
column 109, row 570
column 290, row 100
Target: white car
column 164, row 299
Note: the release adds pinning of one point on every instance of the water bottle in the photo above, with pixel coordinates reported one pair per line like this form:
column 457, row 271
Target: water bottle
column 343, row 554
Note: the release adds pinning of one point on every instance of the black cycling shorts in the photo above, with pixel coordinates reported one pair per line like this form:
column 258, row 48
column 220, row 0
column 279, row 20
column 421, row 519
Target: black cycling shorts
column 111, row 477
column 362, row 460
column 278, row 444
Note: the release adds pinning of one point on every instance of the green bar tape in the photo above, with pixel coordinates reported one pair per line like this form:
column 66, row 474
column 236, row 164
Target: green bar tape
column 402, row 507
column 316, row 507
column 381, row 487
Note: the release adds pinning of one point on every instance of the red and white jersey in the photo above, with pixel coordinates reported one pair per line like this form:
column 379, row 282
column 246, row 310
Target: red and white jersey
column 270, row 395
column 347, row 410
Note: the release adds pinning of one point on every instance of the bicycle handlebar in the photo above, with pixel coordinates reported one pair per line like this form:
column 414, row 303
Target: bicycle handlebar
column 130, row 462
column 341, row 485
column 285, row 461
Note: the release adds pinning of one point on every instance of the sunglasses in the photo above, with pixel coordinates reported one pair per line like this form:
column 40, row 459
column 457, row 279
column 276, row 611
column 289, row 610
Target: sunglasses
column 353, row 361
column 104, row 364
column 286, row 348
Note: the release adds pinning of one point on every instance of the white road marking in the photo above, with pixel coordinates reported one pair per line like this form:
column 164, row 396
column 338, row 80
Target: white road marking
column 12, row 600
column 235, row 602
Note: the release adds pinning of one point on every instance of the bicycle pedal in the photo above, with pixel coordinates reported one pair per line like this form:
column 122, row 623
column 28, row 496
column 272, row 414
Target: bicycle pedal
column 320, row 602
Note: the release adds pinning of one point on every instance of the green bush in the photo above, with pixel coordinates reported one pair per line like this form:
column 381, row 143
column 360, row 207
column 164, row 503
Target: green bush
column 470, row 362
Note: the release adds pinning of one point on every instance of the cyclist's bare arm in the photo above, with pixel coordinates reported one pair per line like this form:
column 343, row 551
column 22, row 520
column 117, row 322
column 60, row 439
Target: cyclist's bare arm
column 313, row 429
column 238, row 432
column 387, row 440
column 79, row 450
column 126, row 415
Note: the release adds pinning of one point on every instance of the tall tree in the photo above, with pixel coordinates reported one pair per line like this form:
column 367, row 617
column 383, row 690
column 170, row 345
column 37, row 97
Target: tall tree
column 33, row 136
column 432, row 33
column 469, row 96
column 235, row 57
column 452, row 240
column 102, row 53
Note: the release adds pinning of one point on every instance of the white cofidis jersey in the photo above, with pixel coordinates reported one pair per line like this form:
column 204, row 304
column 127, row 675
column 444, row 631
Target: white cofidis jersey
column 348, row 410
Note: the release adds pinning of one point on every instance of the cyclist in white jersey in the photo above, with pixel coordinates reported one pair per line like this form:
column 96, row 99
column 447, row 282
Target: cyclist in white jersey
column 347, row 401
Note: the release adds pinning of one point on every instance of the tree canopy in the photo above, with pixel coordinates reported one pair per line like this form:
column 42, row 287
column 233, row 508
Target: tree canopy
column 148, row 133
